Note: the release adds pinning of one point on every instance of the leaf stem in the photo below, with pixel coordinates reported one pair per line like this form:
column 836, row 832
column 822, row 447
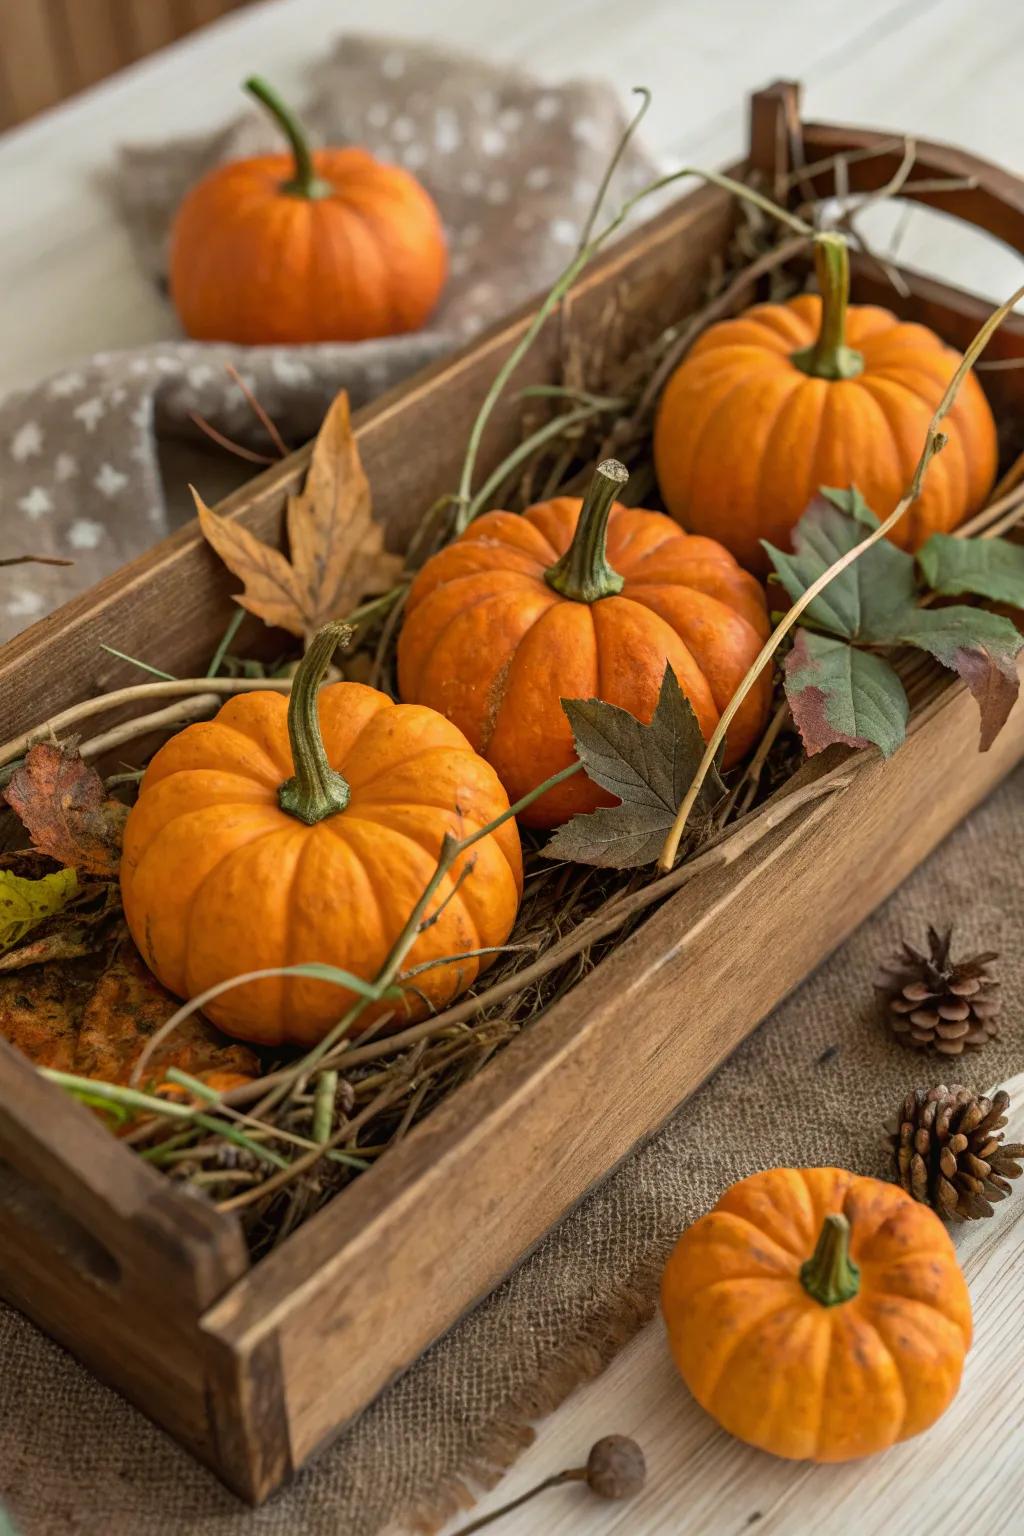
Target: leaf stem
column 934, row 442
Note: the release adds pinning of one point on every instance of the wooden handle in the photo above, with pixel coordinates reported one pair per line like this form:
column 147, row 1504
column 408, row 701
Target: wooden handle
column 71, row 1186
column 781, row 145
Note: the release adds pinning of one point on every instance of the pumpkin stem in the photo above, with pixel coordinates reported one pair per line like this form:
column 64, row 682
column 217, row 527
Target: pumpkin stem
column 830, row 1275
column 830, row 357
column 317, row 790
column 583, row 573
column 305, row 182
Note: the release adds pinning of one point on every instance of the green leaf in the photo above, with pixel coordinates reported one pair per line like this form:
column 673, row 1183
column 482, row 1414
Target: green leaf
column 981, row 647
column 863, row 599
column 987, row 567
column 648, row 767
column 25, row 903
column 851, row 502
column 840, row 694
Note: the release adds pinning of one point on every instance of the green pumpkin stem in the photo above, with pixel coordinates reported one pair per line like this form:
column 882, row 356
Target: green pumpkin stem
column 305, row 182
column 830, row 1275
column 583, row 573
column 829, row 357
column 317, row 790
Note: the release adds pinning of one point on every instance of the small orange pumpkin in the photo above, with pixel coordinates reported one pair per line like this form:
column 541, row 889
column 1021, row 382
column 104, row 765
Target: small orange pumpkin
column 247, row 850
column 325, row 246
column 523, row 611
column 818, row 1315
column 788, row 397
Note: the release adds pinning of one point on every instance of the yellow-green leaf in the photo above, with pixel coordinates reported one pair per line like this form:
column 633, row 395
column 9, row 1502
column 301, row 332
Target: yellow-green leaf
column 25, row 903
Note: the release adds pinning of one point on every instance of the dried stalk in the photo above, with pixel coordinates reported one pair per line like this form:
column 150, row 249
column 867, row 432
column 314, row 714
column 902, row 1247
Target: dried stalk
column 163, row 690
column 198, row 707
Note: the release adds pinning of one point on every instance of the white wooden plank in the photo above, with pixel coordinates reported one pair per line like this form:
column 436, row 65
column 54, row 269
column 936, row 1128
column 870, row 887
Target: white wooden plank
column 967, row 1469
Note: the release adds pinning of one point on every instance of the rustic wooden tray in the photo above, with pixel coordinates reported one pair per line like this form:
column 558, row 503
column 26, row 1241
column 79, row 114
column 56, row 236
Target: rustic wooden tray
column 254, row 1367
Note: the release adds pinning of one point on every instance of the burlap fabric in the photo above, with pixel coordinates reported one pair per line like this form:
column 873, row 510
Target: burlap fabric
column 514, row 166
column 812, row 1086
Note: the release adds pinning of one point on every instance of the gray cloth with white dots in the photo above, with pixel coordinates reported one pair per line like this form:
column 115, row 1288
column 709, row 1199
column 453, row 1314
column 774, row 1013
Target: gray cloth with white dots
column 513, row 165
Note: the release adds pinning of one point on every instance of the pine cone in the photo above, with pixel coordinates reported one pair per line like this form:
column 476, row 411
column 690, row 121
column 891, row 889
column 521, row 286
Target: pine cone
column 934, row 1002
column 949, row 1153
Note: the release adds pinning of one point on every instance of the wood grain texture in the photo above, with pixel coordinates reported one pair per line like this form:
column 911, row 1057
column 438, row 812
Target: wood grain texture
column 701, row 1482
column 102, row 1252
column 54, row 48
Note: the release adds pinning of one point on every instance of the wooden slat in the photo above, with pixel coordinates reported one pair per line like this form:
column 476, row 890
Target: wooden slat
column 95, row 38
column 32, row 75
column 107, row 1255
column 50, row 49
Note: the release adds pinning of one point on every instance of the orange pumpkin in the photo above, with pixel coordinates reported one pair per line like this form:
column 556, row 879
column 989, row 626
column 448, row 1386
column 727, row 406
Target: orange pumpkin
column 818, row 1315
column 325, row 246
column 788, row 397
column 523, row 611
column 247, row 850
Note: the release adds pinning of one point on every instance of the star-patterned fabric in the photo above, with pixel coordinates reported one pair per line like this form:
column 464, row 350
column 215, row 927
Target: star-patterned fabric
column 513, row 165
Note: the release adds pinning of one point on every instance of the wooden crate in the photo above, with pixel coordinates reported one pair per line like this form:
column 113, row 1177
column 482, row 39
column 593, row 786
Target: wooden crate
column 254, row 1367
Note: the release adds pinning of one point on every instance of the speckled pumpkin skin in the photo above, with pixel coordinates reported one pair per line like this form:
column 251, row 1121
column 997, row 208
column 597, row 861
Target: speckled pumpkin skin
column 218, row 880
column 782, row 1372
column 744, row 438
column 251, row 263
column 488, row 643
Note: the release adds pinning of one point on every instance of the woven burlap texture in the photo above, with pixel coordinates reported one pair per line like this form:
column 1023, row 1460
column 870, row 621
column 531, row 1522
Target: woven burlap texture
column 514, row 166
column 812, row 1086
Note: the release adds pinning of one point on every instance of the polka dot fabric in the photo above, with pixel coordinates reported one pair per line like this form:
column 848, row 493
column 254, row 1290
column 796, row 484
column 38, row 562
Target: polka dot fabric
column 513, row 166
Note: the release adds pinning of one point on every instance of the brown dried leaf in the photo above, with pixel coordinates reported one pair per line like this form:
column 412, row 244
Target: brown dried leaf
column 94, row 1016
column 648, row 768
column 337, row 549
column 64, row 807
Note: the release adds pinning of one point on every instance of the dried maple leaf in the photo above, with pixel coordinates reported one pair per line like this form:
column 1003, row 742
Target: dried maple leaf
column 337, row 549
column 64, row 807
column 649, row 768
column 93, row 1017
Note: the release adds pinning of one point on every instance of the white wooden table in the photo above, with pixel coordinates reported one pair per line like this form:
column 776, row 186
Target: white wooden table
column 966, row 1470
column 948, row 69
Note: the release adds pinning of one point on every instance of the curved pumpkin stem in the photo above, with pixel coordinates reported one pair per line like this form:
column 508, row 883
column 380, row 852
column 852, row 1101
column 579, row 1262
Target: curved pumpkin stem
column 830, row 357
column 317, row 790
column 305, row 182
column 583, row 573
column 830, row 1275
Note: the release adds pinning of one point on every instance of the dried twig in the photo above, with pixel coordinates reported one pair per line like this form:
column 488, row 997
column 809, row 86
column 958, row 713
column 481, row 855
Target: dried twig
column 133, row 695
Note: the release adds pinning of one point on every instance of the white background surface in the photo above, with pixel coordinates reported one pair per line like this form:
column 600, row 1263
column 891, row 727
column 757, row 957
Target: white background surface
column 947, row 69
